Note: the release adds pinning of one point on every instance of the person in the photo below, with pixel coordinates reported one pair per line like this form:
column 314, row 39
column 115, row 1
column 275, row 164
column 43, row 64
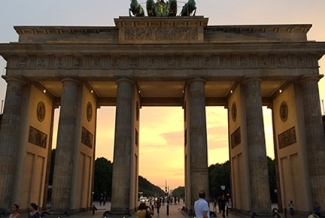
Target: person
column 14, row 211
column 214, row 205
column 229, row 204
column 33, row 211
column 291, row 208
column 45, row 212
column 317, row 209
column 158, row 205
column 219, row 204
column 223, row 205
column 201, row 206
column 144, row 210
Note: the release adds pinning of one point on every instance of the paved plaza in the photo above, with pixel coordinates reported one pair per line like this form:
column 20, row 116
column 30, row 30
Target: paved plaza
column 174, row 212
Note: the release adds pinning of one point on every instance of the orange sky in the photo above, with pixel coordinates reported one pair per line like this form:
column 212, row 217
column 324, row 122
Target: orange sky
column 162, row 138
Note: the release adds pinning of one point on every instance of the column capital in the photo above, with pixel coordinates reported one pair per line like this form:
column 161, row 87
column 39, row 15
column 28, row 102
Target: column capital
column 15, row 79
column 70, row 79
column 124, row 80
column 196, row 80
column 315, row 78
column 251, row 79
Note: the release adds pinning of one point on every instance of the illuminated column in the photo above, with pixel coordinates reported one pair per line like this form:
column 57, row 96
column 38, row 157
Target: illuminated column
column 197, row 177
column 9, row 140
column 315, row 138
column 65, row 149
column 257, row 160
column 123, row 147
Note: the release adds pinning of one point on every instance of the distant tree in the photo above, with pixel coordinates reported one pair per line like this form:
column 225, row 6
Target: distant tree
column 149, row 189
column 103, row 178
column 219, row 174
column 179, row 192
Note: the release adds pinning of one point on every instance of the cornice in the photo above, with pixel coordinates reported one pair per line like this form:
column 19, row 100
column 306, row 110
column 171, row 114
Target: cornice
column 21, row 30
column 303, row 28
column 275, row 28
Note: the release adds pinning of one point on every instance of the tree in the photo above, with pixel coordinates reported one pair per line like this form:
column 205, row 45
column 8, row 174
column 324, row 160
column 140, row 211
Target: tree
column 272, row 179
column 149, row 189
column 52, row 166
column 102, row 178
column 219, row 175
column 179, row 192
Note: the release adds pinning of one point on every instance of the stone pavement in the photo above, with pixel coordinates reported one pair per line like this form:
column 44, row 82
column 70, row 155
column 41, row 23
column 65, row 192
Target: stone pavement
column 174, row 212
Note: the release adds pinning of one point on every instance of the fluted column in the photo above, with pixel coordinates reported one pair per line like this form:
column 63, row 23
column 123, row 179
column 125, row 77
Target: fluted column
column 257, row 159
column 124, row 129
column 197, row 138
column 65, row 149
column 315, row 143
column 9, row 139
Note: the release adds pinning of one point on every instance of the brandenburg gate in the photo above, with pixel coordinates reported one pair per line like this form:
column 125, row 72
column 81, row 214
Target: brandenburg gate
column 161, row 61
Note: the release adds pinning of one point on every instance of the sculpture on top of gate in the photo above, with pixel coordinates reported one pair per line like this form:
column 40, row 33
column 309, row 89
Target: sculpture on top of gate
column 162, row 8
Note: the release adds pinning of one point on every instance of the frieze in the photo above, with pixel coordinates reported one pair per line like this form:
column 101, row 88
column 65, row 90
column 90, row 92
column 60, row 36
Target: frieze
column 96, row 62
column 161, row 33
column 171, row 61
column 42, row 62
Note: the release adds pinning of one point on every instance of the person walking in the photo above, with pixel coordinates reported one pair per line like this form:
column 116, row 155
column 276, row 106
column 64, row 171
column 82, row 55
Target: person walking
column 201, row 206
column 158, row 204
column 214, row 205
column 223, row 205
column 291, row 208
column 14, row 211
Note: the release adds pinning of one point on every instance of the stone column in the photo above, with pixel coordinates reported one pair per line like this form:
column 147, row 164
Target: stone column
column 256, row 150
column 124, row 130
column 315, row 143
column 197, row 139
column 9, row 140
column 65, row 149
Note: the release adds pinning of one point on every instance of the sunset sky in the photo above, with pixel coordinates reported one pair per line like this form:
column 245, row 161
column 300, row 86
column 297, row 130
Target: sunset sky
column 161, row 129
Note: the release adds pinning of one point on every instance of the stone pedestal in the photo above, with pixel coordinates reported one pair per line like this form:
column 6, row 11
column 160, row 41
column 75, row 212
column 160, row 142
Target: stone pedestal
column 65, row 149
column 257, row 160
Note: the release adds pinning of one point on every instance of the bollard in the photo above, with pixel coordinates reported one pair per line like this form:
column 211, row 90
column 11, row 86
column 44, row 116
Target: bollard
column 167, row 209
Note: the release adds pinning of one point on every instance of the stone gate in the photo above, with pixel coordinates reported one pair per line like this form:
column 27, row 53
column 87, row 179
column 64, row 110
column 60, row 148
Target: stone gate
column 161, row 61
